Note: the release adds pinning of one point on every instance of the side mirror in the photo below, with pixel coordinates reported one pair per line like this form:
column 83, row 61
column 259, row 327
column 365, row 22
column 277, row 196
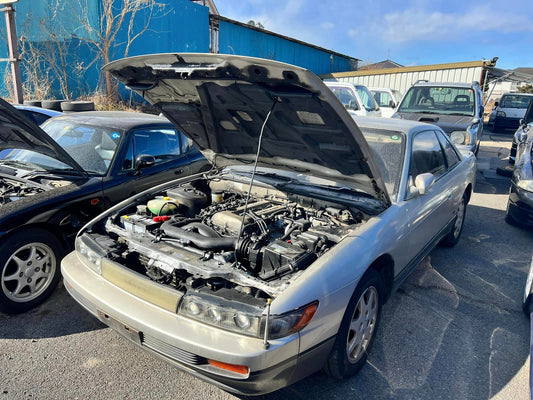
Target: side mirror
column 392, row 104
column 521, row 122
column 496, row 103
column 423, row 182
column 353, row 105
column 143, row 161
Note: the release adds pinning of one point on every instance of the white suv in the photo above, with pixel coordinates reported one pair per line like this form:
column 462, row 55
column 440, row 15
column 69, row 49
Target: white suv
column 387, row 100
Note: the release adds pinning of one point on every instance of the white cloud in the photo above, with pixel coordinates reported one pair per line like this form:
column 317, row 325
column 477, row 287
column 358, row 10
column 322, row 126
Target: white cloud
column 414, row 24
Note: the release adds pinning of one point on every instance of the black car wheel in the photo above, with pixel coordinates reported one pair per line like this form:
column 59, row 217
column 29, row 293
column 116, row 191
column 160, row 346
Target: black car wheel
column 452, row 238
column 29, row 269
column 356, row 333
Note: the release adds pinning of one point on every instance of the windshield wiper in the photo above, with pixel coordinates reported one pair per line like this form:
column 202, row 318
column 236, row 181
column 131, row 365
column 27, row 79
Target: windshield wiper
column 20, row 164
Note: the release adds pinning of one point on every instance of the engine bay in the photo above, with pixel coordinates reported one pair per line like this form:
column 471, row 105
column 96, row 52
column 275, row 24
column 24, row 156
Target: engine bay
column 17, row 188
column 211, row 235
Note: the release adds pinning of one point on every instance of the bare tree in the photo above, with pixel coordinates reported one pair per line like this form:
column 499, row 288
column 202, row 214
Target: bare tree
column 117, row 16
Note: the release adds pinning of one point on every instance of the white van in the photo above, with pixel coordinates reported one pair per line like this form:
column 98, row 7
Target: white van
column 356, row 98
column 510, row 110
column 387, row 100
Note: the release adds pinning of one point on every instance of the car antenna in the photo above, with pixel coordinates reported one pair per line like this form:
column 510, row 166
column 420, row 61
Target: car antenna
column 276, row 100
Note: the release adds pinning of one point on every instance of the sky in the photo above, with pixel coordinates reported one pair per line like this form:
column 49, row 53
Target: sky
column 409, row 32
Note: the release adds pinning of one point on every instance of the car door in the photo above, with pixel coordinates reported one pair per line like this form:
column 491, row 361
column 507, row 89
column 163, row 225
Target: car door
column 169, row 148
column 428, row 213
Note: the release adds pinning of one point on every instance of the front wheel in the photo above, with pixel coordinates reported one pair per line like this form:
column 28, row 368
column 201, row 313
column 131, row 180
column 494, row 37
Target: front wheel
column 29, row 269
column 356, row 333
column 452, row 238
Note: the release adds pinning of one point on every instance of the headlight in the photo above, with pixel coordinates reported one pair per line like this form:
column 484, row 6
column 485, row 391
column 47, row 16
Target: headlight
column 89, row 250
column 225, row 314
column 500, row 114
column 460, row 137
column 244, row 318
column 525, row 184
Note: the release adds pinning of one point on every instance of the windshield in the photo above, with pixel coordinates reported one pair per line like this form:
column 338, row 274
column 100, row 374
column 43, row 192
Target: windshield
column 388, row 150
column 366, row 97
column 439, row 100
column 92, row 147
column 515, row 101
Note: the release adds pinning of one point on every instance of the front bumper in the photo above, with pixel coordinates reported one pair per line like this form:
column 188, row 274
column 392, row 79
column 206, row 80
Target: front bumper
column 506, row 122
column 520, row 206
column 189, row 344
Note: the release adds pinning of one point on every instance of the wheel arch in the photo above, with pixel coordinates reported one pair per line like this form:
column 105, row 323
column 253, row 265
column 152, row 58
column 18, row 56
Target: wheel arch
column 384, row 266
column 53, row 229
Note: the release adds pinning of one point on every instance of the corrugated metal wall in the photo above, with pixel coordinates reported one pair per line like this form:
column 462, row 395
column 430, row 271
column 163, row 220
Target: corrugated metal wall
column 234, row 38
column 403, row 80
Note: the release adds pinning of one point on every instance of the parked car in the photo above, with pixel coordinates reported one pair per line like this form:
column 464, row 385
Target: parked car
column 527, row 306
column 457, row 108
column 525, row 125
column 37, row 114
column 387, row 100
column 277, row 262
column 357, row 99
column 520, row 204
column 510, row 110
column 57, row 178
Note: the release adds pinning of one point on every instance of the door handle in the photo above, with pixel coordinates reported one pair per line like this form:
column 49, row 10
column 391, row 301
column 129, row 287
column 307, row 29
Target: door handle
column 178, row 172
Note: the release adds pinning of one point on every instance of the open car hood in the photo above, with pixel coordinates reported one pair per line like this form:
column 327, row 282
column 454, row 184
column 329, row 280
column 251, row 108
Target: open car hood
column 221, row 103
column 18, row 132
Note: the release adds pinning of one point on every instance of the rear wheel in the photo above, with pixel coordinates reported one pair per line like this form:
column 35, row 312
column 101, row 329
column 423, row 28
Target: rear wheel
column 29, row 269
column 358, row 326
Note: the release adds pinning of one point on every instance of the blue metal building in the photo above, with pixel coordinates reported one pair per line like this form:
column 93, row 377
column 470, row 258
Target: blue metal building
column 56, row 27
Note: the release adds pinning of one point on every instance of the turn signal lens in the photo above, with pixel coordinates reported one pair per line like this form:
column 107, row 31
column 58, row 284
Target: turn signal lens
column 239, row 369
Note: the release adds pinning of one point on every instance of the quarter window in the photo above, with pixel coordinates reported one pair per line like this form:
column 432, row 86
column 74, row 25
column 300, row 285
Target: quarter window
column 452, row 159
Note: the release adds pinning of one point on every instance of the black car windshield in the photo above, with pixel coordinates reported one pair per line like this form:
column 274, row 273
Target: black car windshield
column 439, row 100
column 92, row 147
column 388, row 149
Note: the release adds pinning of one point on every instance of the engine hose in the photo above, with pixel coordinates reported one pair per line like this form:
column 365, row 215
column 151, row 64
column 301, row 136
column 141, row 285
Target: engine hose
column 199, row 240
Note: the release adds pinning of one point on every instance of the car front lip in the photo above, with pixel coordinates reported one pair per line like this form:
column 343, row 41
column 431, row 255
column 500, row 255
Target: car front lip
column 188, row 344
column 521, row 205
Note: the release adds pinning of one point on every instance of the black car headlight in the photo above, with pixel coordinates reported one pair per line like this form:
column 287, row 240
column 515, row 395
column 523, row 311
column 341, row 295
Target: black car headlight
column 90, row 252
column 243, row 318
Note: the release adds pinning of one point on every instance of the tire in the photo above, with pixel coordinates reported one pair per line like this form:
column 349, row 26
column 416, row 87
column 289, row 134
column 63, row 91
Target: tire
column 349, row 352
column 34, row 103
column 29, row 269
column 77, row 106
column 452, row 238
column 52, row 104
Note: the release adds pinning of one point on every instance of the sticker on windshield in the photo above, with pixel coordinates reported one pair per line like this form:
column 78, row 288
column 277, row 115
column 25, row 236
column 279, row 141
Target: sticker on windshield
column 115, row 135
column 395, row 137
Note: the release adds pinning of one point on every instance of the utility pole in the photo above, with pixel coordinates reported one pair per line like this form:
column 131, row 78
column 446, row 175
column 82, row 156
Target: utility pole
column 14, row 57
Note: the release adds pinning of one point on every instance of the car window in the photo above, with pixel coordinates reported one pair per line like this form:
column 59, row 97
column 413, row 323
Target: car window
column 515, row 101
column 92, row 147
column 345, row 95
column 388, row 150
column 426, row 155
column 452, row 158
column 439, row 100
column 382, row 98
column 366, row 98
column 162, row 144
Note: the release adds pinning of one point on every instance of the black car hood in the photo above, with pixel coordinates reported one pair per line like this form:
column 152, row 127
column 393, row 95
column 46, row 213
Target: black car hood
column 221, row 102
column 448, row 123
column 18, row 132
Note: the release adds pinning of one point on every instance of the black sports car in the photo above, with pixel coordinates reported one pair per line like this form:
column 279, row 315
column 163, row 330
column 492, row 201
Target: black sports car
column 55, row 179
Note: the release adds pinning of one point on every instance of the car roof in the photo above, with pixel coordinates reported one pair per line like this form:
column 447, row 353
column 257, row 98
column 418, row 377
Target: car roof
column 407, row 127
column 446, row 84
column 116, row 119
column 40, row 110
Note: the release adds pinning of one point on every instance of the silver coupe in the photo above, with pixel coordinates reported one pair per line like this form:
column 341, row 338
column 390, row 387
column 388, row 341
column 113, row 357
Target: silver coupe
column 276, row 263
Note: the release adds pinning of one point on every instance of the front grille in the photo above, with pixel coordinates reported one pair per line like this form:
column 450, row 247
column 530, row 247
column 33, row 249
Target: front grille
column 171, row 351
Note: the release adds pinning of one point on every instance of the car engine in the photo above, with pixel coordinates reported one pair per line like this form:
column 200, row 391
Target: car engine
column 212, row 234
column 15, row 189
